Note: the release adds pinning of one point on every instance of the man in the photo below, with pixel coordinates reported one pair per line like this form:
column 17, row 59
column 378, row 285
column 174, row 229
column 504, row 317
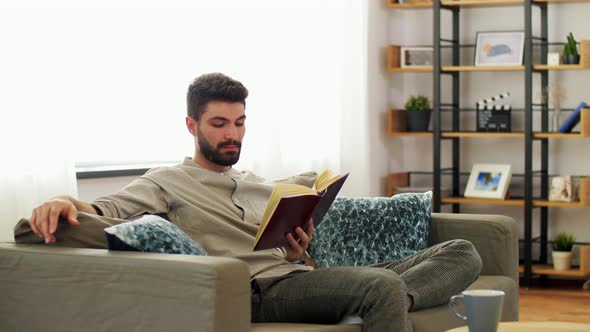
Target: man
column 221, row 208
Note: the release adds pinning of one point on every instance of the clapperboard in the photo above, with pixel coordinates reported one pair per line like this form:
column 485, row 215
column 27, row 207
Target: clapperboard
column 494, row 114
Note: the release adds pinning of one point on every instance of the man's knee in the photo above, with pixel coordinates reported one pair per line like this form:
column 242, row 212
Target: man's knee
column 467, row 250
column 385, row 288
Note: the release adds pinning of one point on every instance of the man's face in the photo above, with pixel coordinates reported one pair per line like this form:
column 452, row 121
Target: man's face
column 220, row 132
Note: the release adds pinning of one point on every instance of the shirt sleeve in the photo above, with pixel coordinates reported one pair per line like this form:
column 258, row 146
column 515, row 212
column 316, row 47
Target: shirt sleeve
column 142, row 196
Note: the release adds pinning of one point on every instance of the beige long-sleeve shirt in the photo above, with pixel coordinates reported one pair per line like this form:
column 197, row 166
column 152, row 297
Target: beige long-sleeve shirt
column 220, row 211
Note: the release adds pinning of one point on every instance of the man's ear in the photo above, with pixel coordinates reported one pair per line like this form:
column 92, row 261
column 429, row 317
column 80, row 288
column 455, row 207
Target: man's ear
column 191, row 125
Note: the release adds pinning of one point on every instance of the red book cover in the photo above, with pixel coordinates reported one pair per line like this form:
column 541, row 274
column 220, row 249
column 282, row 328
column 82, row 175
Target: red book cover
column 291, row 212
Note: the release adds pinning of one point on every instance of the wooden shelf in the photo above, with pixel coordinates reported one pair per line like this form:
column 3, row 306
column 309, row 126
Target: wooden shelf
column 559, row 67
column 481, row 68
column 396, row 125
column 582, row 272
column 584, row 128
column 411, row 134
column 560, row 1
column 402, row 179
column 411, row 70
column 583, row 197
column 394, row 62
column 395, row 180
column 558, row 135
column 415, row 5
column 482, row 3
column 482, row 134
column 484, row 201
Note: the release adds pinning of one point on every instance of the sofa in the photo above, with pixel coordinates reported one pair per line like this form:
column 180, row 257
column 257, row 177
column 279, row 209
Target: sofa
column 47, row 288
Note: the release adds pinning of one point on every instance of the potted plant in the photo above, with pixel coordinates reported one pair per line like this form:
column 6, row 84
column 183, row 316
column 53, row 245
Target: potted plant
column 418, row 113
column 562, row 251
column 570, row 51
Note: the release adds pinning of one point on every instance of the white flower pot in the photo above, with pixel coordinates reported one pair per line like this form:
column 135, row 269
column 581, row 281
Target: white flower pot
column 562, row 260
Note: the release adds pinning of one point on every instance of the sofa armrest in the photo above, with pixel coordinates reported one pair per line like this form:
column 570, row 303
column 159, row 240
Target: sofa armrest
column 495, row 237
column 65, row 289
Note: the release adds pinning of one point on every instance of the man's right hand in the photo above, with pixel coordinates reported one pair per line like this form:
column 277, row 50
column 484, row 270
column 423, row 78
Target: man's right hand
column 44, row 220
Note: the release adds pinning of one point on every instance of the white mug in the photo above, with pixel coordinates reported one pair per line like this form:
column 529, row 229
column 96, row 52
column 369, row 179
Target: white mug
column 483, row 308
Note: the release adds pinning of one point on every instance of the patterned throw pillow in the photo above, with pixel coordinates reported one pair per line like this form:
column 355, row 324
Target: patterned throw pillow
column 152, row 234
column 365, row 231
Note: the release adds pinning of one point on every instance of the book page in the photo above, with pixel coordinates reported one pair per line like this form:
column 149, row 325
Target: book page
column 325, row 179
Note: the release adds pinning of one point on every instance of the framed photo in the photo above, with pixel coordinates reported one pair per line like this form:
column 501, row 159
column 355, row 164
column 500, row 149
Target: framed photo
column 488, row 181
column 499, row 48
column 416, row 57
column 562, row 189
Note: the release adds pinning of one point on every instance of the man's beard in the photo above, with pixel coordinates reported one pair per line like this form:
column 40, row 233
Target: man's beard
column 215, row 155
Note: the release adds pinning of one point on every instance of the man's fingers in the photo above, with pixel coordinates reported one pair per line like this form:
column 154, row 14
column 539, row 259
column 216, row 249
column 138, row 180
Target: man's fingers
column 303, row 237
column 43, row 223
column 295, row 246
column 32, row 224
column 54, row 218
column 72, row 217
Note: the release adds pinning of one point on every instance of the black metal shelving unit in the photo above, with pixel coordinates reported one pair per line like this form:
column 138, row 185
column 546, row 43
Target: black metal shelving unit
column 528, row 121
column 534, row 176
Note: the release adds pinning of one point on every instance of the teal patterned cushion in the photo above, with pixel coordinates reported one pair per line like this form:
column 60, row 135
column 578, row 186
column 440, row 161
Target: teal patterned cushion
column 365, row 231
column 152, row 233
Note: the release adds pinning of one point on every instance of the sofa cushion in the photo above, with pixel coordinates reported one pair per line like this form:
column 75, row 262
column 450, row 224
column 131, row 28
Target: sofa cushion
column 365, row 231
column 152, row 234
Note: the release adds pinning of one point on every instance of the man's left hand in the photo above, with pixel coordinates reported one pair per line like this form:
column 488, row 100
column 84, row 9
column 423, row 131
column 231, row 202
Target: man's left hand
column 296, row 250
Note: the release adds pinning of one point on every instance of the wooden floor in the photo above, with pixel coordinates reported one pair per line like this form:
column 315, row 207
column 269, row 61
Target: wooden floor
column 556, row 304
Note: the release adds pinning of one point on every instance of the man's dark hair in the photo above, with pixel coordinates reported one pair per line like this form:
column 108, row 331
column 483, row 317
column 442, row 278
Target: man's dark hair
column 213, row 87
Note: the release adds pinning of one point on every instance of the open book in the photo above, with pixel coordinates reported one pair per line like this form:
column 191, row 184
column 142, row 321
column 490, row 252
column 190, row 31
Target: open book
column 291, row 205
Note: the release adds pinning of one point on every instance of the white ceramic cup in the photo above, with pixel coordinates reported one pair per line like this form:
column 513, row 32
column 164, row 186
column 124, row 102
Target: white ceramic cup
column 483, row 308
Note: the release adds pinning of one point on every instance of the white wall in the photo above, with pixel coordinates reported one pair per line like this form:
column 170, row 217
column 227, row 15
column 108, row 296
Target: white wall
column 414, row 27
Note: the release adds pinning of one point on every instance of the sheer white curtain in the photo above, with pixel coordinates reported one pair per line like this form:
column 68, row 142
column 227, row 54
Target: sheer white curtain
column 105, row 82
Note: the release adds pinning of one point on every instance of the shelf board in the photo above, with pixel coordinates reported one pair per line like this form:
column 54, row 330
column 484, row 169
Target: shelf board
column 550, row 271
column 558, row 135
column 482, row 68
column 559, row 67
column 560, row 1
column 415, row 5
column 543, row 203
column 510, row 202
column 410, row 134
column 481, row 134
column 410, row 70
column 485, row 201
column 481, row 3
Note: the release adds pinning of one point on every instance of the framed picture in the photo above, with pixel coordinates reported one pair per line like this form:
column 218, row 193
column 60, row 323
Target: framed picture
column 488, row 181
column 499, row 48
column 416, row 57
column 562, row 189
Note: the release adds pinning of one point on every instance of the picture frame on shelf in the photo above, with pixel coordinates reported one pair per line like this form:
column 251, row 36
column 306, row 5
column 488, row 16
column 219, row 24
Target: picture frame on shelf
column 499, row 48
column 562, row 189
column 417, row 57
column 488, row 181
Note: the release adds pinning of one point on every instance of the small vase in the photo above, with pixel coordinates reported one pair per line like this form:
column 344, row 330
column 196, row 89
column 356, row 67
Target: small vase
column 574, row 59
column 418, row 121
column 562, row 260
